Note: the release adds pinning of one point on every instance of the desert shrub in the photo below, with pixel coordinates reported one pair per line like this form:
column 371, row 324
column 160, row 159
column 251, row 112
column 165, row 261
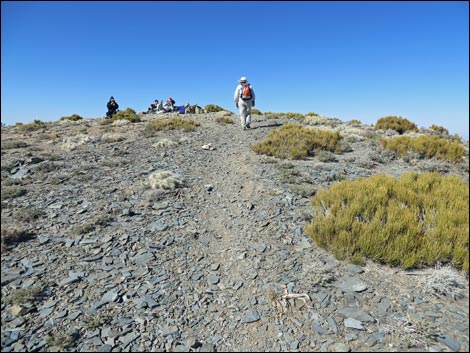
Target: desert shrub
column 35, row 125
column 291, row 115
column 165, row 181
column 24, row 295
column 224, row 120
column 11, row 193
column 425, row 147
column 169, row 124
column 8, row 145
column 396, row 123
column 128, row 114
column 73, row 117
column 12, row 236
column 296, row 142
column 164, row 143
column 112, row 137
column 415, row 221
column 355, row 122
column 212, row 108
column 439, row 129
column 256, row 112
column 312, row 114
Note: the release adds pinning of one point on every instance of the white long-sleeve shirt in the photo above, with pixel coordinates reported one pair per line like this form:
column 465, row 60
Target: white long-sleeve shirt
column 238, row 91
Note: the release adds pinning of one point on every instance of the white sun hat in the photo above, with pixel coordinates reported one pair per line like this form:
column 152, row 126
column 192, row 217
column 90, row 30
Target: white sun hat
column 243, row 79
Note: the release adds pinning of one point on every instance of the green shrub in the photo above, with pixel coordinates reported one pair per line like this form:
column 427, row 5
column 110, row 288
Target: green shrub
column 256, row 112
column 128, row 114
column 312, row 114
column 355, row 122
column 396, row 123
column 415, row 221
column 73, row 117
column 296, row 142
column 169, row 124
column 425, row 147
column 212, row 108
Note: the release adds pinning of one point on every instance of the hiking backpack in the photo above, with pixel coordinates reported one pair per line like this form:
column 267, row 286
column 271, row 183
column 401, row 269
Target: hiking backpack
column 246, row 92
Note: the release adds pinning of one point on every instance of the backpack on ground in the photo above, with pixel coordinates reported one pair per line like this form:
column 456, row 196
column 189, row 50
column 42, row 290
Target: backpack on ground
column 246, row 92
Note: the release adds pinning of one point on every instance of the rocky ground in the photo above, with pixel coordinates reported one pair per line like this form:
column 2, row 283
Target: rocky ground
column 221, row 263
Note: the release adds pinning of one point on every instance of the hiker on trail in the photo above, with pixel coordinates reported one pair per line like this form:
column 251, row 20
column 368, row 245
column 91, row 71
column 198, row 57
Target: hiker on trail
column 244, row 98
column 169, row 105
column 112, row 107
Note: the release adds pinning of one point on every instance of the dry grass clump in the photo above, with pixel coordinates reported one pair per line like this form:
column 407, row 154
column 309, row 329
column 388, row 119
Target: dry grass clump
column 425, row 147
column 11, row 193
column 439, row 129
column 8, row 145
column 24, row 295
column 415, row 221
column 444, row 280
column 128, row 114
column 225, row 120
column 396, row 123
column 112, row 137
column 255, row 111
column 165, row 181
column 154, row 126
column 12, row 236
column 164, row 143
column 72, row 142
column 296, row 142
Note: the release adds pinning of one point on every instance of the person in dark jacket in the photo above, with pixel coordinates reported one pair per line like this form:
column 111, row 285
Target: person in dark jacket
column 112, row 107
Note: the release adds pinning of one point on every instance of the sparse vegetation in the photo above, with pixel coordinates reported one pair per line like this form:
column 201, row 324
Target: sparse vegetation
column 35, row 125
column 296, row 142
column 23, row 295
column 439, row 129
column 165, row 181
column 255, row 111
column 8, row 145
column 425, row 147
column 73, row 117
column 212, row 108
column 11, row 193
column 396, row 123
column 224, row 120
column 415, row 221
column 128, row 114
column 154, row 126
column 12, row 236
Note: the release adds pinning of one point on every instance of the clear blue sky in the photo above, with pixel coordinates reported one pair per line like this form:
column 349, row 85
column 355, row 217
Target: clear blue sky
column 348, row 60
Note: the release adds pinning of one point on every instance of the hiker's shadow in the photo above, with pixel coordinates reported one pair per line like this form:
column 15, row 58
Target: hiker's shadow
column 266, row 126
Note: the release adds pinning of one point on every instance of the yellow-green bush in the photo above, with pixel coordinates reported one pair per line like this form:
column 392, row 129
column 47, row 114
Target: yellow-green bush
column 169, row 124
column 35, row 125
column 415, row 221
column 256, row 112
column 224, row 120
column 73, row 117
column 128, row 114
column 425, row 147
column 212, row 108
column 396, row 123
column 296, row 142
column 440, row 129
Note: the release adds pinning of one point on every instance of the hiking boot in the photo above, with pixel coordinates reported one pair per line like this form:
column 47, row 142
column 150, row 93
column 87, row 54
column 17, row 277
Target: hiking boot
column 248, row 126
